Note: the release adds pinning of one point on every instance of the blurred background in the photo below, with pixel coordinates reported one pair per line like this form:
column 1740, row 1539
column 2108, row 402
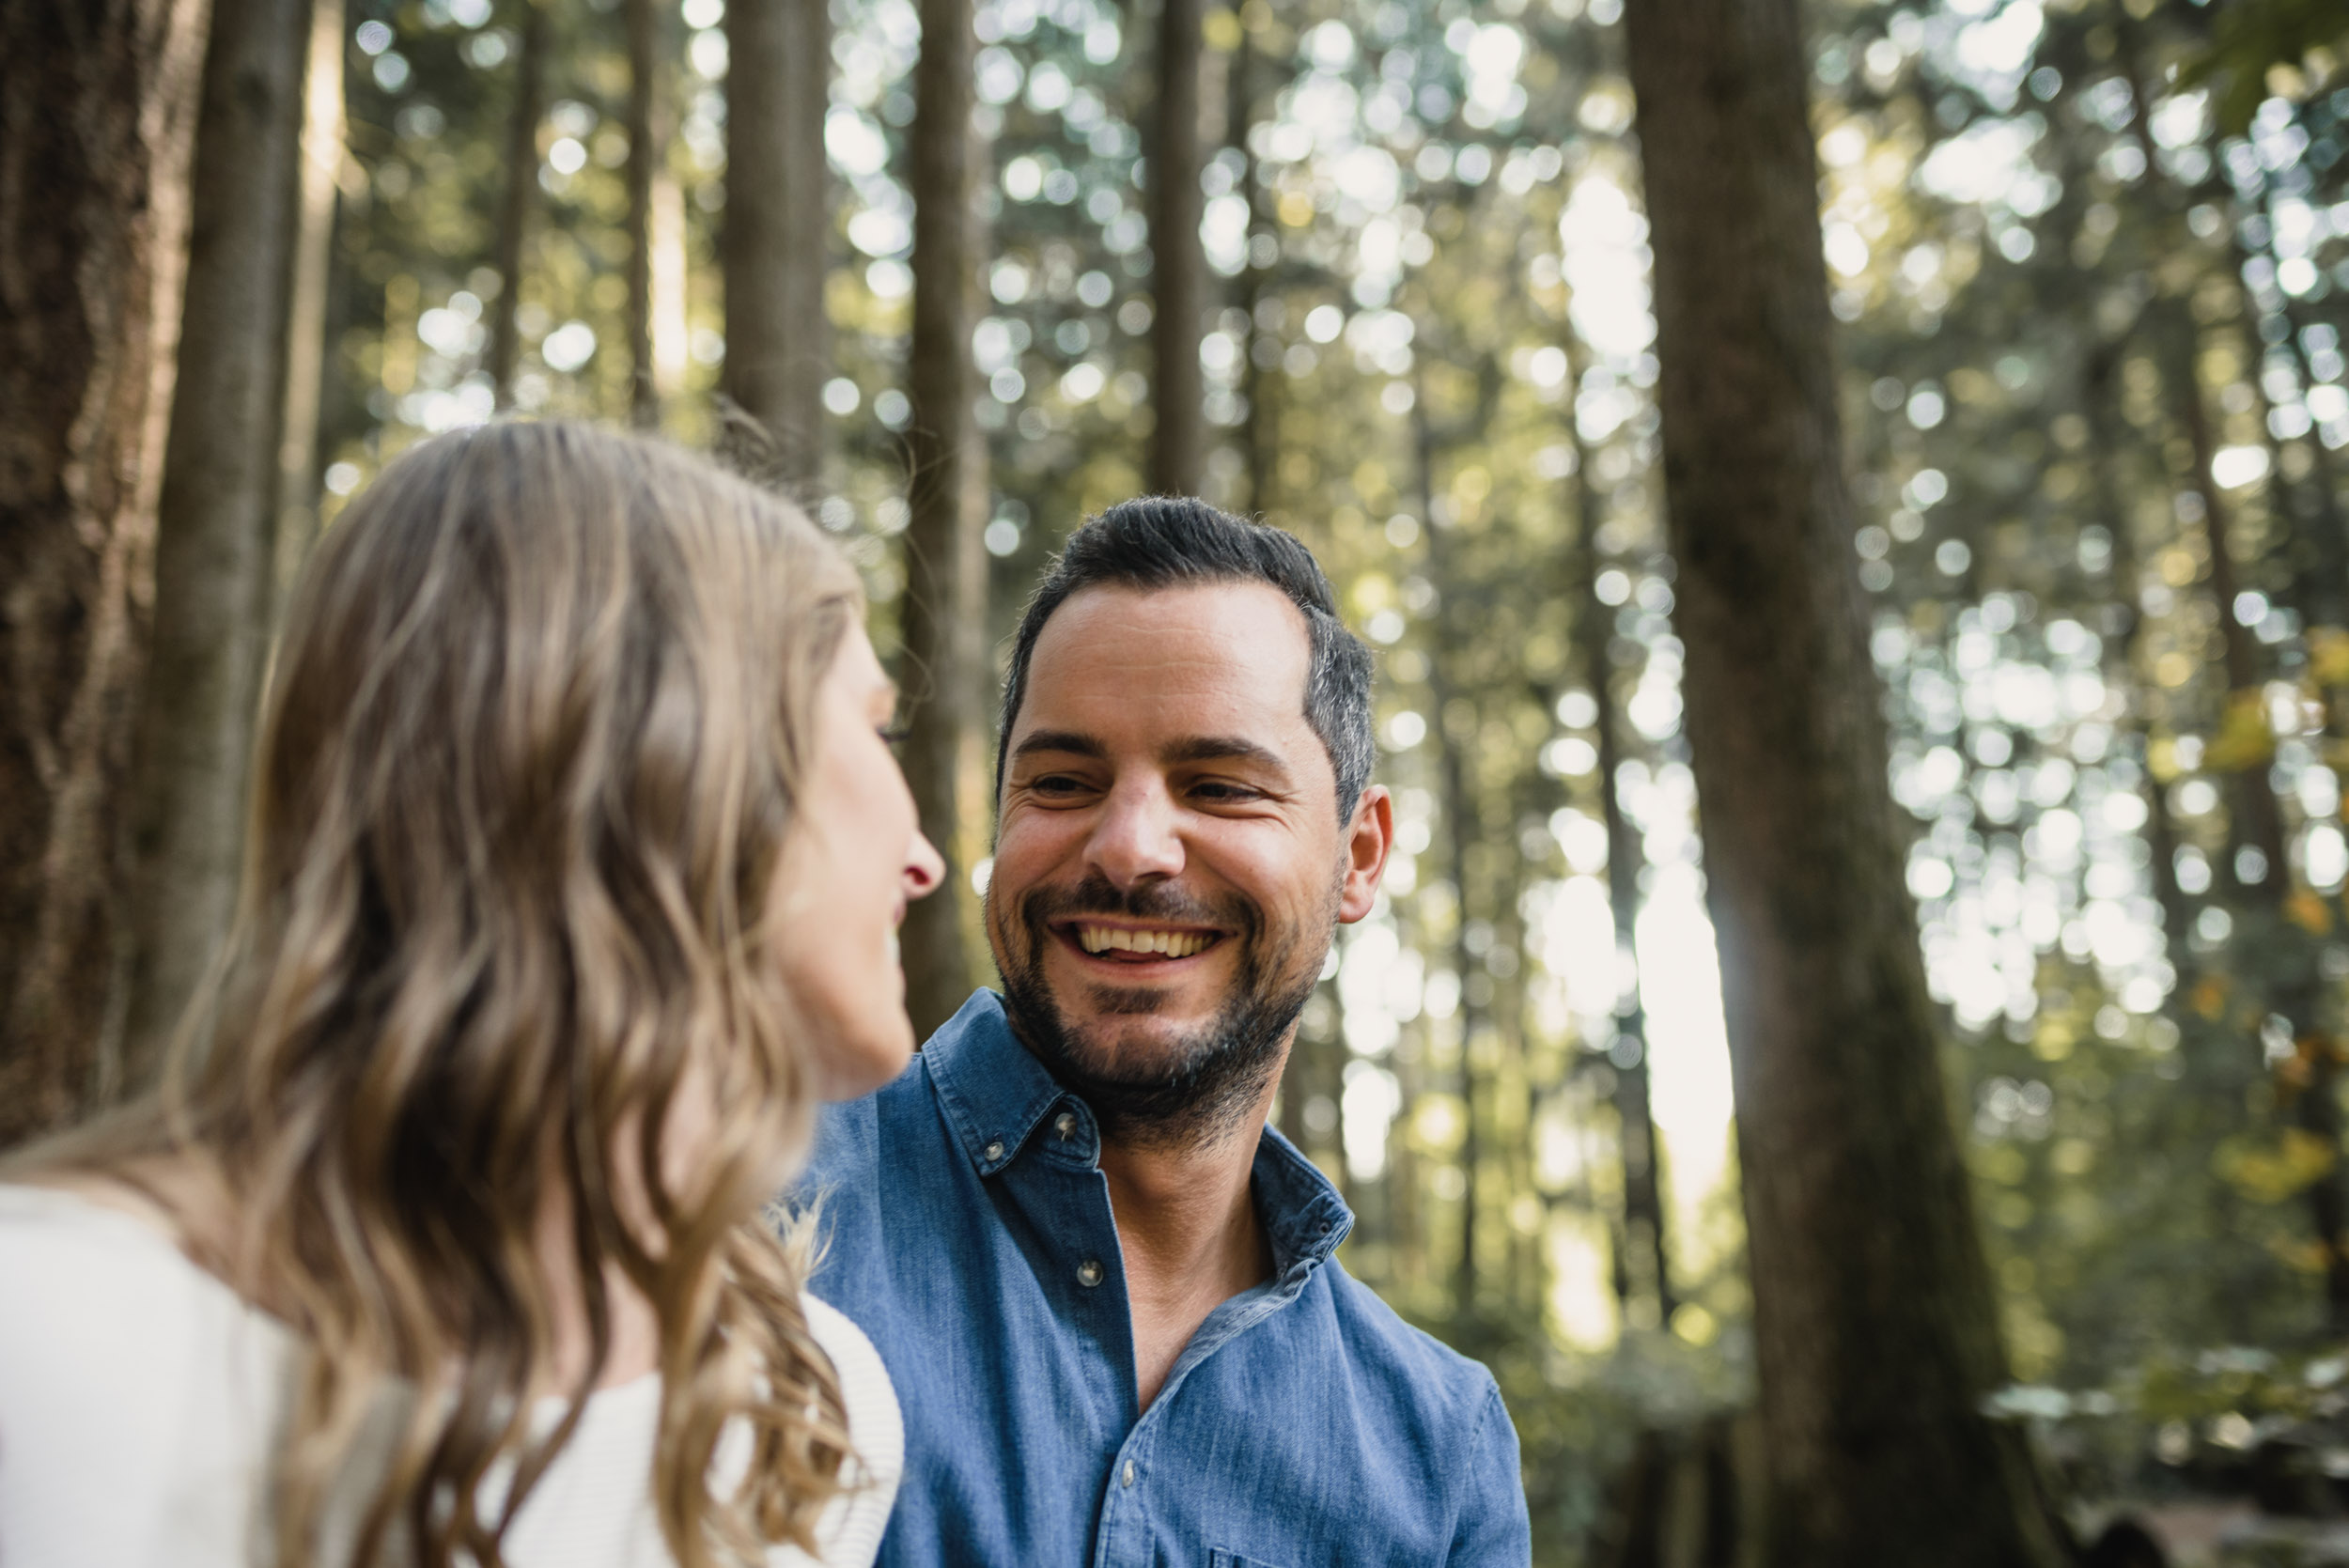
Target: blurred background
column 940, row 273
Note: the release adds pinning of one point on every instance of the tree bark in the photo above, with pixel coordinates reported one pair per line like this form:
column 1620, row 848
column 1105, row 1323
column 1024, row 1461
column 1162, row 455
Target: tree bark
column 1177, row 263
column 216, row 534
column 1875, row 1325
column 97, row 120
column 521, row 183
column 944, row 608
column 322, row 133
column 778, row 341
column 647, row 145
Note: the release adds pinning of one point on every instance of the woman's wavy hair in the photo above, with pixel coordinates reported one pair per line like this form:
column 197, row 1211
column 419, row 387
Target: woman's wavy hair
column 535, row 733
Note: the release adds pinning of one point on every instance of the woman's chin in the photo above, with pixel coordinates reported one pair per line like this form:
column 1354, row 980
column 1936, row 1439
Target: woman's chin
column 849, row 1068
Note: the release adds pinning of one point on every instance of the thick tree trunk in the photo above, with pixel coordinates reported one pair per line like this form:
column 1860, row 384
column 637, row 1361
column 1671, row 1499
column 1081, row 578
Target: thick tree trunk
column 1875, row 1325
column 945, row 609
column 97, row 115
column 521, row 185
column 1177, row 264
column 215, row 538
column 1643, row 1227
column 778, row 341
column 648, row 146
column 305, row 311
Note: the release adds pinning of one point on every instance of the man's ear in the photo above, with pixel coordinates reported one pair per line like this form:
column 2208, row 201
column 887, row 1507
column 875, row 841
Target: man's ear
column 1369, row 837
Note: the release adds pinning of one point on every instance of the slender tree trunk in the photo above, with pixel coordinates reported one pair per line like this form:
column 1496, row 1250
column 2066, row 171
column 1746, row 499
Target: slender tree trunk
column 2123, row 658
column 1876, row 1330
column 215, row 540
column 945, row 572
column 1177, row 264
column 2308, row 1092
column 1461, row 828
column 1644, row 1221
column 647, row 145
column 521, row 185
column 778, row 341
column 1261, row 436
column 97, row 115
column 305, row 311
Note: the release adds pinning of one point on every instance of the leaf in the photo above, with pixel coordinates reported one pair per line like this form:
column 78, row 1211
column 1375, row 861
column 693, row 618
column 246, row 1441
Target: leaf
column 2244, row 740
column 2249, row 37
column 2328, row 655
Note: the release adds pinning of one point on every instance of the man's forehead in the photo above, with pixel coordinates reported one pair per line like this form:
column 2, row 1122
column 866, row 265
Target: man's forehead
column 1242, row 642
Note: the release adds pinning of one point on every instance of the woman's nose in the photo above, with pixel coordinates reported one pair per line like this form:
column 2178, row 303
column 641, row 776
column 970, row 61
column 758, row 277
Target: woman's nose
column 925, row 867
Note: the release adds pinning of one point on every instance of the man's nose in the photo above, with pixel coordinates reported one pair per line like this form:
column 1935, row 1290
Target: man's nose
column 1137, row 837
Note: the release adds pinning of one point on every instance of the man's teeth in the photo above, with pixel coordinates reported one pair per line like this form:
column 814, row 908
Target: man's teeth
column 1175, row 944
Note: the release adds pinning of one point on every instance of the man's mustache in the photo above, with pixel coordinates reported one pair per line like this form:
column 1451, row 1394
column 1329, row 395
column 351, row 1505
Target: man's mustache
column 1159, row 901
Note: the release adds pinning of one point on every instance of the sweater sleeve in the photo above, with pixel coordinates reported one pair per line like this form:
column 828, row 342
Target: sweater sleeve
column 851, row 1530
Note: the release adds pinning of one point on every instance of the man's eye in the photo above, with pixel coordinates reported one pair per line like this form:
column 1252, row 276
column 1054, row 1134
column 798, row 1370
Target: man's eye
column 1224, row 792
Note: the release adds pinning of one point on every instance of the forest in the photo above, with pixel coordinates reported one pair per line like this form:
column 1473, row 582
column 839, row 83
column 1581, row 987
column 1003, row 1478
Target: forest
column 1851, row 504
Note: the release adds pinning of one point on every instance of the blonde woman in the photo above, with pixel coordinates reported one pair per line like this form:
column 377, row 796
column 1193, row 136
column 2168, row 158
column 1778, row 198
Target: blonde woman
column 575, row 861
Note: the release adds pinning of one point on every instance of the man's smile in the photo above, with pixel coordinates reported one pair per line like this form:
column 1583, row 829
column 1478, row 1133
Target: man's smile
column 1135, row 945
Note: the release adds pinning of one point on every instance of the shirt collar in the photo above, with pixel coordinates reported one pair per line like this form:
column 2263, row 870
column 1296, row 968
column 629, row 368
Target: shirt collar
column 996, row 1094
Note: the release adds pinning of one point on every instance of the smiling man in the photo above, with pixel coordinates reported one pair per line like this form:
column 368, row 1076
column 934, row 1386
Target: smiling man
column 1106, row 1289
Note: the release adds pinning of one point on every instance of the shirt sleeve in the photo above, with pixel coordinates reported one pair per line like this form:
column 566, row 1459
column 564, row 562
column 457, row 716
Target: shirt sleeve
column 1493, row 1524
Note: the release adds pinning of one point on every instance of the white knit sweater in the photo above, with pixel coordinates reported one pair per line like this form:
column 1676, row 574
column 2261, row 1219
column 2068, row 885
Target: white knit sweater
column 139, row 1397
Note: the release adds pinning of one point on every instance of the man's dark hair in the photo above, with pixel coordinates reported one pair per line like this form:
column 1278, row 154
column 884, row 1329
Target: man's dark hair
column 1174, row 542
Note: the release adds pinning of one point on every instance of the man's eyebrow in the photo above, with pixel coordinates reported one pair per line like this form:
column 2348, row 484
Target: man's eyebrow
column 1070, row 741
column 1221, row 747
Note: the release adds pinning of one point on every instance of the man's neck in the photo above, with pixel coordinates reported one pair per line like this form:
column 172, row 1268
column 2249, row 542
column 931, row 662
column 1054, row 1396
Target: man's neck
column 1187, row 1228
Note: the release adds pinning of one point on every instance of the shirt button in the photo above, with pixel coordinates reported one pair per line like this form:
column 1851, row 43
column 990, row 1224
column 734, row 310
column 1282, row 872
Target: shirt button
column 995, row 1150
column 1089, row 1273
column 1065, row 1124
column 1128, row 1477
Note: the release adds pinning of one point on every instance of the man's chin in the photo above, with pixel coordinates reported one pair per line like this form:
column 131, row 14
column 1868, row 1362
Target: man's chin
column 1135, row 1048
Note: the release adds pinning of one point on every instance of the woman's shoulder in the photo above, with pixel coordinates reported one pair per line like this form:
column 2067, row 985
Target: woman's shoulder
column 136, row 1391
column 96, row 1296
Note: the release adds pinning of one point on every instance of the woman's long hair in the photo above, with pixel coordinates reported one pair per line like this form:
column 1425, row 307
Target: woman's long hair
column 532, row 748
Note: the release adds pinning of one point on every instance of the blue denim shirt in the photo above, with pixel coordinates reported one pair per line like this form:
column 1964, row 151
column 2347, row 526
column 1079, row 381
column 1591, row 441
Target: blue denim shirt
column 967, row 1230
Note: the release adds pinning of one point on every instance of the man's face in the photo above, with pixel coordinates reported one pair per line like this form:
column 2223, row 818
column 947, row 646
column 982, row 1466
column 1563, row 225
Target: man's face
column 1170, row 864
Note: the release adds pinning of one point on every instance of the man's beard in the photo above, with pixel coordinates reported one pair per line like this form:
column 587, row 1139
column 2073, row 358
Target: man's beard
column 1198, row 1087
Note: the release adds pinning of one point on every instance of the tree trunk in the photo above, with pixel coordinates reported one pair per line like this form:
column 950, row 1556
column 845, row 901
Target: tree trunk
column 305, row 326
column 97, row 120
column 778, row 341
column 521, row 183
column 1462, row 825
column 2306, row 1082
column 1261, row 435
column 2123, row 653
column 1876, row 1332
column 648, row 146
column 1643, row 1227
column 944, row 609
column 215, row 536
column 1177, row 264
